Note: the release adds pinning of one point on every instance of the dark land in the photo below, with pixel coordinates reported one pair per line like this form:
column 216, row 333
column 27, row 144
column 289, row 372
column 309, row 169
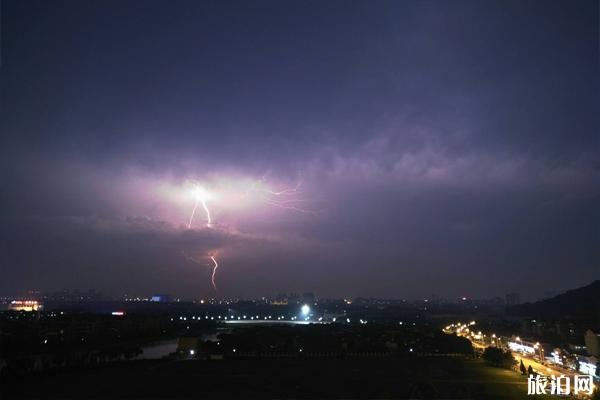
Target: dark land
column 367, row 348
column 301, row 377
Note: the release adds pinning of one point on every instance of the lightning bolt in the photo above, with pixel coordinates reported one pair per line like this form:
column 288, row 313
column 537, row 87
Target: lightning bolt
column 208, row 220
column 284, row 198
column 201, row 194
column 286, row 191
column 287, row 198
column 212, row 278
column 192, row 216
column 202, row 262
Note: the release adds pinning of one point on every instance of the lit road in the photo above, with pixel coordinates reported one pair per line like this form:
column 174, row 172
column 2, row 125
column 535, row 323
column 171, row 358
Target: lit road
column 537, row 366
column 476, row 345
column 543, row 369
column 272, row 322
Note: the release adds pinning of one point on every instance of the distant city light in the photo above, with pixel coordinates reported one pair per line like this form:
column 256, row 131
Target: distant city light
column 24, row 305
column 119, row 313
column 521, row 347
column 305, row 309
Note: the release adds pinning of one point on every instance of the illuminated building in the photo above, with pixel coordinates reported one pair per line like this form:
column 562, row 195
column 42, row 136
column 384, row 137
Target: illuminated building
column 25, row 305
column 161, row 298
column 588, row 365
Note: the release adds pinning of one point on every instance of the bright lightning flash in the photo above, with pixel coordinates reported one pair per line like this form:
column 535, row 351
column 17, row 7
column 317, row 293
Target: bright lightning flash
column 212, row 278
column 201, row 195
column 287, row 198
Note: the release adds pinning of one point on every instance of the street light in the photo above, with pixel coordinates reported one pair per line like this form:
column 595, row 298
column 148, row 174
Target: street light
column 305, row 310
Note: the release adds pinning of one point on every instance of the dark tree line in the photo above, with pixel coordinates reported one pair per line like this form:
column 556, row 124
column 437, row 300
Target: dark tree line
column 495, row 357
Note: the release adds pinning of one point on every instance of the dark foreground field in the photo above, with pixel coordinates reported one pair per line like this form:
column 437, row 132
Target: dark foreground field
column 435, row 377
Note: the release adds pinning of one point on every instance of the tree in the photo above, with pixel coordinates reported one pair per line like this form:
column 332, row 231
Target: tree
column 493, row 356
column 509, row 360
column 498, row 358
column 522, row 368
column 530, row 371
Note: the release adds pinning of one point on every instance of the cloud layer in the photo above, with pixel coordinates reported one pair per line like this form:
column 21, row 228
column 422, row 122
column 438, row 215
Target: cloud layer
column 441, row 149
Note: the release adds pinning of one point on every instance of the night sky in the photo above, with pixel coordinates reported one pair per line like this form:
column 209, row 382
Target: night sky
column 351, row 148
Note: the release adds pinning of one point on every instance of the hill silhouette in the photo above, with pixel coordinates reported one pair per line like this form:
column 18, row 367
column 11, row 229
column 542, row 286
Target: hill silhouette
column 580, row 302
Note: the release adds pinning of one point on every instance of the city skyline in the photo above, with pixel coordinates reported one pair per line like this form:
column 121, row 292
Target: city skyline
column 92, row 294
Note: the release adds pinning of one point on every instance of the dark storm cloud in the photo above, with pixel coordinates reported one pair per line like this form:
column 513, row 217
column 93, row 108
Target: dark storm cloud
column 134, row 254
column 457, row 140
